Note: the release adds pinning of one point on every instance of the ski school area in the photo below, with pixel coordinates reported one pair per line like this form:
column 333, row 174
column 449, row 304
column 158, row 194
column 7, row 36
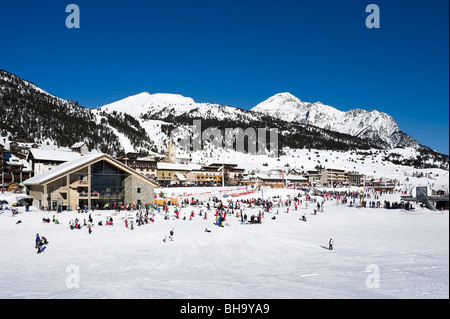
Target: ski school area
column 230, row 243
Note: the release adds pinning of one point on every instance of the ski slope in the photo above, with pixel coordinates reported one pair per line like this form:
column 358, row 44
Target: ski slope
column 282, row 258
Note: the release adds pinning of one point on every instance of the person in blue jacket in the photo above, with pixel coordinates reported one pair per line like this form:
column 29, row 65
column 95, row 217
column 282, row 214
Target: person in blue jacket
column 38, row 239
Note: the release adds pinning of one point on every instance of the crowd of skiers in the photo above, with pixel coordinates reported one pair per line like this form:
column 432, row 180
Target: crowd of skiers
column 221, row 209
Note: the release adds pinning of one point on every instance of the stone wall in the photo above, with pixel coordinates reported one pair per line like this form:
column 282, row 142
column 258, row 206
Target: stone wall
column 132, row 196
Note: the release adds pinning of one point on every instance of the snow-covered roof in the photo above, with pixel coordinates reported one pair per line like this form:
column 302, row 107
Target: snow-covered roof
column 78, row 145
column 276, row 177
column 296, row 178
column 180, row 177
column 26, row 168
column 62, row 168
column 71, row 165
column 54, row 155
column 13, row 160
column 178, row 167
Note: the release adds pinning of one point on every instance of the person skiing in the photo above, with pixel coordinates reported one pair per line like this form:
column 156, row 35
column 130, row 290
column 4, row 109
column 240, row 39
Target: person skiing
column 38, row 239
column 41, row 245
column 330, row 244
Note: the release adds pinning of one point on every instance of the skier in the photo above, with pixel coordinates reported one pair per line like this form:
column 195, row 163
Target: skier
column 330, row 244
column 171, row 235
column 41, row 245
column 38, row 239
column 89, row 228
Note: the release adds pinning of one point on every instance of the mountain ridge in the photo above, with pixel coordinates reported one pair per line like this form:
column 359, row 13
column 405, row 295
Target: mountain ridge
column 144, row 122
column 373, row 125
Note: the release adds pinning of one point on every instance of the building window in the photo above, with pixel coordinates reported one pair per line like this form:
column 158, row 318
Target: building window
column 139, row 190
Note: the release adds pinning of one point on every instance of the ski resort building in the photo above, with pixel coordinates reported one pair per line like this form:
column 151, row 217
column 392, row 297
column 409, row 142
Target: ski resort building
column 43, row 160
column 333, row 177
column 174, row 173
column 95, row 180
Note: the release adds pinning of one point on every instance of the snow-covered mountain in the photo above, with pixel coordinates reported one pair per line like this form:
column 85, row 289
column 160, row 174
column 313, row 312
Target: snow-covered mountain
column 144, row 123
column 160, row 113
column 374, row 126
column 300, row 124
column 165, row 106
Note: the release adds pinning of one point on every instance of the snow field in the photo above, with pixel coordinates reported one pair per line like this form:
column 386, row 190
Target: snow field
column 281, row 258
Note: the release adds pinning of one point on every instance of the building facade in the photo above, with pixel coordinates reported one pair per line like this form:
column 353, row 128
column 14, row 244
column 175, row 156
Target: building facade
column 93, row 181
column 333, row 177
column 141, row 164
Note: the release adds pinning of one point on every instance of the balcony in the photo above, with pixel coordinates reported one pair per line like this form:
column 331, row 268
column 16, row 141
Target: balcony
column 79, row 184
column 84, row 195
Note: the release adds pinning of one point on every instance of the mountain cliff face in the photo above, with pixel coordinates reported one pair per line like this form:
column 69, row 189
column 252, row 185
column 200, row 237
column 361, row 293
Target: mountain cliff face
column 144, row 122
column 376, row 127
column 169, row 111
column 30, row 113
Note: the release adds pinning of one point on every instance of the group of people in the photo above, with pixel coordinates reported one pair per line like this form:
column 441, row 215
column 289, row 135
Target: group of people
column 41, row 243
column 395, row 205
column 75, row 224
column 47, row 220
column 142, row 218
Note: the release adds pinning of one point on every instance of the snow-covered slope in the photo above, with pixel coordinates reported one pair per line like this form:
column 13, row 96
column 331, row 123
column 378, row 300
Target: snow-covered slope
column 377, row 127
column 146, row 103
column 378, row 253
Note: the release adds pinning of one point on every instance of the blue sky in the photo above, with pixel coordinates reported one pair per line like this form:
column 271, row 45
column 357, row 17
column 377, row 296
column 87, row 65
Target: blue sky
column 239, row 53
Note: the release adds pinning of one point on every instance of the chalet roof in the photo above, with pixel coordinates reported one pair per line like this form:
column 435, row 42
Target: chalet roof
column 78, row 145
column 66, row 167
column 178, row 167
column 54, row 155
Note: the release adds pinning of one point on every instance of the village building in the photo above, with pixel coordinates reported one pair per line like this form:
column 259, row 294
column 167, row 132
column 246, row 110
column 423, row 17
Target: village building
column 80, row 147
column 174, row 173
column 233, row 175
column 354, row 178
column 141, row 163
column 95, row 180
column 13, row 167
column 333, row 177
column 43, row 160
column 314, row 177
column 205, row 176
column 275, row 180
